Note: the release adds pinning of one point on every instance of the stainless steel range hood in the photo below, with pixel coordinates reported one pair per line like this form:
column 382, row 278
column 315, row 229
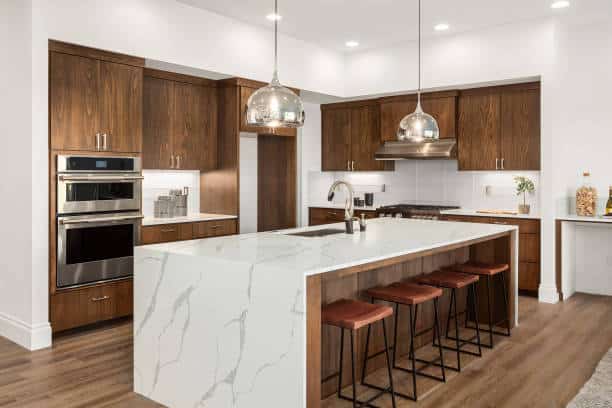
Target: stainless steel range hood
column 396, row 150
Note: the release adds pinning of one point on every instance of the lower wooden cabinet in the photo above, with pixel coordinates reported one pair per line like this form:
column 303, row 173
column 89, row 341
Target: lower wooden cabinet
column 72, row 308
column 321, row 216
column 529, row 247
column 156, row 234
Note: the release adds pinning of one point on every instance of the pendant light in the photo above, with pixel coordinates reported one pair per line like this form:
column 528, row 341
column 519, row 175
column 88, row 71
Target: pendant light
column 418, row 126
column 274, row 105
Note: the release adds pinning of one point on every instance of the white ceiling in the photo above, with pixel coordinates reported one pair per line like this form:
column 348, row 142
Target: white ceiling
column 376, row 23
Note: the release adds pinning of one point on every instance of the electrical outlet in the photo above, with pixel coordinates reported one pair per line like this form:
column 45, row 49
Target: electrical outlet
column 488, row 190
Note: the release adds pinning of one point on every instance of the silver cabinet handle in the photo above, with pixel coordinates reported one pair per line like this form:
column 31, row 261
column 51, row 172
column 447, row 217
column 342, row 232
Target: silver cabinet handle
column 171, row 161
column 348, row 165
column 178, row 162
column 496, row 163
column 502, row 163
column 104, row 145
column 353, row 165
column 100, row 299
column 168, row 230
column 98, row 141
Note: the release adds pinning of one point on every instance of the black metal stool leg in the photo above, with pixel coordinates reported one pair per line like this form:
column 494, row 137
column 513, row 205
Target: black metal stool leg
column 450, row 308
column 454, row 295
column 384, row 326
column 353, row 369
column 414, row 386
column 505, row 297
column 341, row 363
column 437, row 333
column 475, row 311
column 396, row 317
column 489, row 310
column 365, row 360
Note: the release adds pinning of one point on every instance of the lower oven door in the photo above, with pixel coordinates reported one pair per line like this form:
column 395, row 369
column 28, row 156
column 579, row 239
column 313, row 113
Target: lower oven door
column 96, row 248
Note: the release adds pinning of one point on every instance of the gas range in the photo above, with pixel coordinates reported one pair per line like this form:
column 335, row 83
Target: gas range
column 419, row 211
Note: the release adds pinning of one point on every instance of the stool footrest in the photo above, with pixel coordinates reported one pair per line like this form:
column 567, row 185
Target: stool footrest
column 396, row 393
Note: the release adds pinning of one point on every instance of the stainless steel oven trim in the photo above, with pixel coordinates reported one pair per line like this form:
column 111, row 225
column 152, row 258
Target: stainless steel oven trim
column 104, row 270
column 62, row 167
column 66, row 207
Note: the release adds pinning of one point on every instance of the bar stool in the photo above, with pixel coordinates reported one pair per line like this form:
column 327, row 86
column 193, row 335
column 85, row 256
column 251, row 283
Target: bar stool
column 489, row 271
column 411, row 295
column 454, row 281
column 352, row 315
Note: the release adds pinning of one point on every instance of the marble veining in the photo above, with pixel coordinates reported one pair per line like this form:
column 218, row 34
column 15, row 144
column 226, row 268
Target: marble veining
column 221, row 322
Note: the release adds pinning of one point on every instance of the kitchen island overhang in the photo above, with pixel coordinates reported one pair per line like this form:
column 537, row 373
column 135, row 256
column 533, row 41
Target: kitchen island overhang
column 235, row 321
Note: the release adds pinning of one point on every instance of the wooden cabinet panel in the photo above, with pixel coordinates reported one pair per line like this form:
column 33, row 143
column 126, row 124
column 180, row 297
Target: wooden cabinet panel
column 365, row 138
column 478, row 131
column 79, row 307
column 520, row 129
column 155, row 234
column 158, row 112
column 245, row 93
column 121, row 107
column 391, row 113
column 529, row 276
column 529, row 248
column 189, row 125
column 207, row 229
column 321, row 216
column 335, row 139
column 73, row 107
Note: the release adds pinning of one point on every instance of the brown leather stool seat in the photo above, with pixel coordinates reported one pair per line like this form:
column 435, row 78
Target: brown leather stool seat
column 353, row 314
column 478, row 268
column 405, row 293
column 448, row 279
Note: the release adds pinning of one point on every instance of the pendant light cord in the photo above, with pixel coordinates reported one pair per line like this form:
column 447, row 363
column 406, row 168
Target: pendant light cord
column 276, row 38
column 419, row 88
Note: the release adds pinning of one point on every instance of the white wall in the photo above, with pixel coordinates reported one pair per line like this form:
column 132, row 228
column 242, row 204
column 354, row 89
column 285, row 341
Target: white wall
column 159, row 182
column 309, row 157
column 19, row 282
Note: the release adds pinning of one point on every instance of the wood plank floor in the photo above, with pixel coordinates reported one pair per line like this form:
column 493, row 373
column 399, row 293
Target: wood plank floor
column 544, row 364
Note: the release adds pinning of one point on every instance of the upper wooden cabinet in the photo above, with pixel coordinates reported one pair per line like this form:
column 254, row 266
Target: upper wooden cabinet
column 441, row 105
column 180, row 117
column 499, row 128
column 350, row 136
column 95, row 99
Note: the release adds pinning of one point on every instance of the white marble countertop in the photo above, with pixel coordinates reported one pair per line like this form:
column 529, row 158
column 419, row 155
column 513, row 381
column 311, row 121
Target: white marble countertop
column 384, row 238
column 474, row 213
column 576, row 218
column 340, row 206
column 196, row 217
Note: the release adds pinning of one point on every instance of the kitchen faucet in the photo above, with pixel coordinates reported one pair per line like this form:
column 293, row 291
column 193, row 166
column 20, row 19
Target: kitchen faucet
column 348, row 206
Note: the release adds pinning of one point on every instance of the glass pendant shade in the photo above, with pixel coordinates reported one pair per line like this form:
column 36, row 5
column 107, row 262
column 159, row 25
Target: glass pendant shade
column 275, row 106
column 418, row 127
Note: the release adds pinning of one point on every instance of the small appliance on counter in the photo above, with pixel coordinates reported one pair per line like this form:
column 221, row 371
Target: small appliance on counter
column 369, row 199
column 172, row 205
column 420, row 211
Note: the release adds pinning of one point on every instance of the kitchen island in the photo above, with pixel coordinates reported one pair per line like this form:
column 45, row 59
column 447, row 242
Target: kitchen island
column 235, row 321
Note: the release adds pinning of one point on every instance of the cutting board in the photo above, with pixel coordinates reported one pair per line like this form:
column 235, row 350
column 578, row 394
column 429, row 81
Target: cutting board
column 498, row 212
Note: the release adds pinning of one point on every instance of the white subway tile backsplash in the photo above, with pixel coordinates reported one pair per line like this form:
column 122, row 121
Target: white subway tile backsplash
column 159, row 182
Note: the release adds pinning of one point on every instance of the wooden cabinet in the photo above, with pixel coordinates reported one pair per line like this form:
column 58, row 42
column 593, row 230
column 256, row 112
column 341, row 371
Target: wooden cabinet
column 78, row 307
column 321, row 216
column 95, row 100
column 350, row 136
column 247, row 88
column 499, row 128
column 156, row 234
column 529, row 247
column 441, row 105
column 179, row 122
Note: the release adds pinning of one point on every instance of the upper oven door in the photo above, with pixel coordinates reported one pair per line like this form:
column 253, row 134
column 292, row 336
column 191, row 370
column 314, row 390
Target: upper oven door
column 88, row 193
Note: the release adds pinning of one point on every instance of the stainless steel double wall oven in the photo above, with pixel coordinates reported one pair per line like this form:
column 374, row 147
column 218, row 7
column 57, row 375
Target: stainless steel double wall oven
column 98, row 218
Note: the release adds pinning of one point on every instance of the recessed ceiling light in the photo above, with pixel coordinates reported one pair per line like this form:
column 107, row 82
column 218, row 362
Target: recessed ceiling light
column 351, row 44
column 274, row 17
column 560, row 4
column 441, row 27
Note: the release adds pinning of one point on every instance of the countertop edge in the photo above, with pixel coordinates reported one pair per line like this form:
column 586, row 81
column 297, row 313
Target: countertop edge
column 151, row 221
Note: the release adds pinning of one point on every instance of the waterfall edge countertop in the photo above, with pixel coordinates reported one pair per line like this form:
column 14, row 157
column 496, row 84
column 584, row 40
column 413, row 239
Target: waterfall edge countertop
column 196, row 217
column 222, row 321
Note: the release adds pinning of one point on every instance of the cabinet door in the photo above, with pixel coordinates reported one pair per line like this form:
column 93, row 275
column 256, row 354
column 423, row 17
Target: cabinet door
column 73, row 100
column 335, row 139
column 520, row 129
column 121, row 106
column 158, row 123
column 365, row 139
column 479, row 130
column 391, row 113
column 208, row 140
column 321, row 216
column 444, row 110
column 189, row 125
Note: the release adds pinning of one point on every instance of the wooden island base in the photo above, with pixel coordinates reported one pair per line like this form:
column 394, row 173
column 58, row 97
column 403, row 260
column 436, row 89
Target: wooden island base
column 322, row 357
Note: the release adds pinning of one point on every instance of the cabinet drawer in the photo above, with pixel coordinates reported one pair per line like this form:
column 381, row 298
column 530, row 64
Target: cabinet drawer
column 529, row 276
column 156, row 234
column 321, row 216
column 214, row 228
column 529, row 248
column 79, row 307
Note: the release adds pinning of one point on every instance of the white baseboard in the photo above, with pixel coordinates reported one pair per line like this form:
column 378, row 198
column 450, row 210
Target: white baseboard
column 31, row 337
column 548, row 294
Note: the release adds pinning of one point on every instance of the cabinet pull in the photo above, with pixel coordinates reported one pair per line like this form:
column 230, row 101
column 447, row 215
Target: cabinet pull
column 100, row 299
column 496, row 163
column 98, row 141
column 104, row 145
column 348, row 165
column 502, row 163
column 353, row 165
column 500, row 223
column 168, row 230
column 215, row 226
column 178, row 162
column 171, row 161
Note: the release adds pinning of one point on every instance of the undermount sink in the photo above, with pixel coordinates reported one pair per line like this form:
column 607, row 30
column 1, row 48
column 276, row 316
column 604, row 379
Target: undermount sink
column 318, row 233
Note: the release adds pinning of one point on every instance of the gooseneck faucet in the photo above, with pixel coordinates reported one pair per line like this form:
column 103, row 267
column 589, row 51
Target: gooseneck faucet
column 348, row 206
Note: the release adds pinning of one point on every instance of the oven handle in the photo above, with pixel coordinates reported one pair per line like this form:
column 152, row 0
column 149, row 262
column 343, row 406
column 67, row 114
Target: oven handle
column 97, row 220
column 99, row 178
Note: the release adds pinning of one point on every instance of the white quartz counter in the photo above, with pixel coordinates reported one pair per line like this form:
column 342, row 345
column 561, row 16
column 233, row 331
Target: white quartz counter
column 196, row 217
column 475, row 213
column 221, row 322
column 577, row 218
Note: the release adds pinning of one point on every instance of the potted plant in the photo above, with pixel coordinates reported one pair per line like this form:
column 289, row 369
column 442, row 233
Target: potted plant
column 524, row 186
